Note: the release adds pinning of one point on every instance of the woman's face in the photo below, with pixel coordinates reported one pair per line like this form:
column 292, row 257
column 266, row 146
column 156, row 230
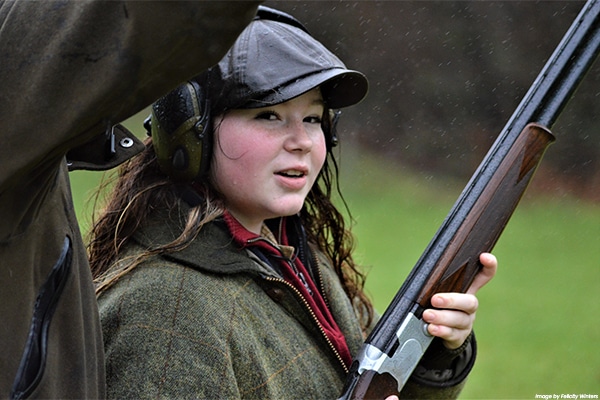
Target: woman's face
column 267, row 159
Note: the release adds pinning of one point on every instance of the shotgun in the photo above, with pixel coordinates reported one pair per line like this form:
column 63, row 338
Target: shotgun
column 451, row 260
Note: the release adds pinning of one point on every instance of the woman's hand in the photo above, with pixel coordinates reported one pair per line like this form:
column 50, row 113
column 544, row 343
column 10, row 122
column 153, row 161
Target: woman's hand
column 453, row 318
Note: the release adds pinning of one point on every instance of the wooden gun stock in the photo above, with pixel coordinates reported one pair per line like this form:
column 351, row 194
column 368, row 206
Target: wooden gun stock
column 488, row 216
column 373, row 385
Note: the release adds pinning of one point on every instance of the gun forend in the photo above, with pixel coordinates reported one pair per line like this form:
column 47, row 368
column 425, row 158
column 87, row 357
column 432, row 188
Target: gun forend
column 483, row 222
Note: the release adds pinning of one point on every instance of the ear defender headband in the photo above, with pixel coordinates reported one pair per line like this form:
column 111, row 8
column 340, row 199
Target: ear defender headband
column 181, row 122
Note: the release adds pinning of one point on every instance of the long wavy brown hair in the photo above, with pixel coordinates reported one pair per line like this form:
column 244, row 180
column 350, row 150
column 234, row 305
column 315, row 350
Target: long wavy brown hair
column 141, row 187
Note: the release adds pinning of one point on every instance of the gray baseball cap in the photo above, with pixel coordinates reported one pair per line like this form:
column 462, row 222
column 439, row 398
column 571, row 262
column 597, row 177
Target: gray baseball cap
column 274, row 60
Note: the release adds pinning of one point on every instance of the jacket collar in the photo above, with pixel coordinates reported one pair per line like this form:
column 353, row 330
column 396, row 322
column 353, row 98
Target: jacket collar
column 214, row 250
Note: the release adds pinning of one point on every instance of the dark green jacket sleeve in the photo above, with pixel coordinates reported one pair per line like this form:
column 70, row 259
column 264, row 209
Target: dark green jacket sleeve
column 69, row 70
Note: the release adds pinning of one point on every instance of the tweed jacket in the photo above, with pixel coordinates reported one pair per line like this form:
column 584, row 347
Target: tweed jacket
column 69, row 71
column 213, row 321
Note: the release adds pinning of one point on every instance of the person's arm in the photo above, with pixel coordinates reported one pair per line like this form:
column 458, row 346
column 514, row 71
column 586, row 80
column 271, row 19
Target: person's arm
column 72, row 68
column 69, row 70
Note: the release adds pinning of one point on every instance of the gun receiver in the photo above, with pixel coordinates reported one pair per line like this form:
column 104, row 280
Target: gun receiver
column 477, row 219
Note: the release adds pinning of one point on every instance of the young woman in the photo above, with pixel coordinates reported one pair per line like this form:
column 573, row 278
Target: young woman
column 224, row 270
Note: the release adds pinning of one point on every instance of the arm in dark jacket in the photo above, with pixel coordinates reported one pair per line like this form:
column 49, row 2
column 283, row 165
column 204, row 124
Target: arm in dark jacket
column 69, row 70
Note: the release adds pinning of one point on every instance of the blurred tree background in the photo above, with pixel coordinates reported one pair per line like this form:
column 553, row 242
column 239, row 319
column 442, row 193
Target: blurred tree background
column 445, row 76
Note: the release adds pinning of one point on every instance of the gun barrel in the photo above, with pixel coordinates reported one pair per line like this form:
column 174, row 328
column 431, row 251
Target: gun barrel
column 562, row 73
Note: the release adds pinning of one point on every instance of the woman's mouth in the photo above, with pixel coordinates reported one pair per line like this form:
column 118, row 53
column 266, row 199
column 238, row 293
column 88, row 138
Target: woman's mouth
column 293, row 178
column 291, row 173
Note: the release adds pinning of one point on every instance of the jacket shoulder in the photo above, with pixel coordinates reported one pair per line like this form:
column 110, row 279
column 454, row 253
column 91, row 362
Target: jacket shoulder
column 158, row 289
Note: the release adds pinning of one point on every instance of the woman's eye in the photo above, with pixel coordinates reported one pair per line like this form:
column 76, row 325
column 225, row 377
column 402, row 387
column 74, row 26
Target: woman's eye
column 313, row 120
column 268, row 115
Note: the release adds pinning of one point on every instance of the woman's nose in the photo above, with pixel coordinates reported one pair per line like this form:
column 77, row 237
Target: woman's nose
column 298, row 138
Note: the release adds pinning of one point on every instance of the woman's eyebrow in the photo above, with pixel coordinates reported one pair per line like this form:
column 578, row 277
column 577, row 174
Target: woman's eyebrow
column 318, row 102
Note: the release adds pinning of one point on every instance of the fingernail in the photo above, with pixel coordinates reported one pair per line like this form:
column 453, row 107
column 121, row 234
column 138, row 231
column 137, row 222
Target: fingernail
column 429, row 316
column 438, row 301
column 433, row 329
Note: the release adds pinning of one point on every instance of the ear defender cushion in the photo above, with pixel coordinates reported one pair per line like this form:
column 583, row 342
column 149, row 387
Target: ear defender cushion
column 181, row 132
column 329, row 125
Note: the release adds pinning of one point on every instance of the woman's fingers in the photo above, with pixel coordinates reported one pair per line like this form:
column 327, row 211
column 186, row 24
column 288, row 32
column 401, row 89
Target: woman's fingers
column 490, row 265
column 453, row 318
column 453, row 314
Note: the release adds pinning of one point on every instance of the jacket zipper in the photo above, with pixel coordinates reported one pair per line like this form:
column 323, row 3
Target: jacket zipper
column 320, row 277
column 314, row 317
column 306, row 305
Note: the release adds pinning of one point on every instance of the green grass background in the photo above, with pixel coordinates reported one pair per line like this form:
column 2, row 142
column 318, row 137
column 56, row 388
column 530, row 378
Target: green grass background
column 538, row 324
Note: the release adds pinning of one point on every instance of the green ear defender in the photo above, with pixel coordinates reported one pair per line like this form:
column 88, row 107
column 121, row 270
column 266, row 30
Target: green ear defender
column 180, row 126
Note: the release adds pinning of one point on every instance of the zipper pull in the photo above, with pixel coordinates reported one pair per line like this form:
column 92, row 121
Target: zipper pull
column 305, row 283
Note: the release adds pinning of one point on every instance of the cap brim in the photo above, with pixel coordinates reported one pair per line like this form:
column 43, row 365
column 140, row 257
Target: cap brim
column 340, row 88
